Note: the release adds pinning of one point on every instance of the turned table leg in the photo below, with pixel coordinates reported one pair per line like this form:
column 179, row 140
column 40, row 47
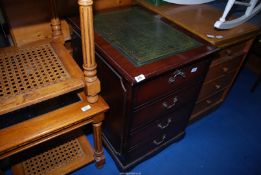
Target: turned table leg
column 98, row 150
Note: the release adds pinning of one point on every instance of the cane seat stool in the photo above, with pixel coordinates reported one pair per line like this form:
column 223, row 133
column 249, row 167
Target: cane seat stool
column 38, row 76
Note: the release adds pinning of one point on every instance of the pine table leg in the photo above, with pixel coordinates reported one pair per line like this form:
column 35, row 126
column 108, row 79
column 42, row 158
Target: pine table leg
column 98, row 150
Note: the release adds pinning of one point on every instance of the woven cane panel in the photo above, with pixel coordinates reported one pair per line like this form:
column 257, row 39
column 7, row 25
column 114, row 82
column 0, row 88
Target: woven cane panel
column 28, row 69
column 53, row 159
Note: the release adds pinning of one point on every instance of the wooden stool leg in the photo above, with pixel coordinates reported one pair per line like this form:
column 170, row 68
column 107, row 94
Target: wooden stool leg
column 98, row 150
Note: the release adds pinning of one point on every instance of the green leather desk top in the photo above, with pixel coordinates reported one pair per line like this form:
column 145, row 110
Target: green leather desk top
column 141, row 36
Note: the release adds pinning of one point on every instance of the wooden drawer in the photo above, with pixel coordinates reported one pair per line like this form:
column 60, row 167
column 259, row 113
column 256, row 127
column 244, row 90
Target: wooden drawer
column 166, row 83
column 231, row 51
column 173, row 122
column 229, row 64
column 216, row 85
column 155, row 110
column 155, row 143
column 207, row 103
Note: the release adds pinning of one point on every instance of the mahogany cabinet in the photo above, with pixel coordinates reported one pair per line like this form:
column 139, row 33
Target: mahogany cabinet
column 150, row 101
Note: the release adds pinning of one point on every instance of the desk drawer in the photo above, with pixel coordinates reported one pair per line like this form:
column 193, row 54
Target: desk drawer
column 216, row 85
column 223, row 68
column 232, row 51
column 169, row 82
column 157, row 109
column 208, row 103
column 154, row 144
column 173, row 122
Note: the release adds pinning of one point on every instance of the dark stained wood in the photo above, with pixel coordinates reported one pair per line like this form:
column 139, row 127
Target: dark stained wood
column 130, row 71
column 163, row 106
column 173, row 122
column 167, row 82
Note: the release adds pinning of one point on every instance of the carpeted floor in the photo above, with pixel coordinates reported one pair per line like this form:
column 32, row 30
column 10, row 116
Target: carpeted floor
column 227, row 141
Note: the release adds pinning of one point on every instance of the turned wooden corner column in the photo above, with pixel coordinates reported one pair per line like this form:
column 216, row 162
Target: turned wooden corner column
column 97, row 136
column 88, row 50
column 57, row 34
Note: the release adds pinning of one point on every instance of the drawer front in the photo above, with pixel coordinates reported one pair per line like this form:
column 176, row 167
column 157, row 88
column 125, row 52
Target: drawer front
column 173, row 122
column 207, row 103
column 169, row 82
column 216, row 85
column 232, row 51
column 223, row 68
column 153, row 145
column 155, row 110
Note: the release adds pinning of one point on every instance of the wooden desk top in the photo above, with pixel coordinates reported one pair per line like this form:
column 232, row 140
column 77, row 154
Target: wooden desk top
column 199, row 19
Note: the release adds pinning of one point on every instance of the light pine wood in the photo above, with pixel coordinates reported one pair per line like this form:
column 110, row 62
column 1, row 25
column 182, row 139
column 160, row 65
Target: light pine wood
column 48, row 126
column 43, row 128
column 27, row 34
column 56, row 23
column 199, row 19
column 88, row 50
column 98, row 153
column 108, row 4
column 63, row 167
column 246, row 49
column 73, row 82
column 26, row 28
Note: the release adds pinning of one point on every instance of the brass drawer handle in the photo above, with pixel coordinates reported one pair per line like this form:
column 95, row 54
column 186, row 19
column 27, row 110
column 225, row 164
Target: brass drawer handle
column 161, row 126
column 225, row 69
column 217, row 86
column 161, row 141
column 209, row 101
column 228, row 52
column 175, row 74
column 168, row 106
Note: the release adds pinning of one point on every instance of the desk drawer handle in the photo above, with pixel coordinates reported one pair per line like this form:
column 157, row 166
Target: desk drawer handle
column 225, row 69
column 229, row 52
column 161, row 126
column 175, row 74
column 161, row 141
column 209, row 102
column 168, row 106
column 217, row 86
